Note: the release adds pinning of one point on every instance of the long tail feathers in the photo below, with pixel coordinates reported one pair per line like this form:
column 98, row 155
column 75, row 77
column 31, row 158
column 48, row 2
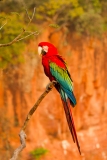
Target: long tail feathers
column 70, row 121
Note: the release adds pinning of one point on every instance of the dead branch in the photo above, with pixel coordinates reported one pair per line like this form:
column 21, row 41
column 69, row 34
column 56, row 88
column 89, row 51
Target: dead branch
column 14, row 40
column 19, row 37
column 31, row 112
column 3, row 25
column 30, row 19
column 21, row 147
column 48, row 89
column 32, row 33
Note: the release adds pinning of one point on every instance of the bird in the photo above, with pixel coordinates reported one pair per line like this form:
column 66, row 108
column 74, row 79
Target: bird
column 55, row 69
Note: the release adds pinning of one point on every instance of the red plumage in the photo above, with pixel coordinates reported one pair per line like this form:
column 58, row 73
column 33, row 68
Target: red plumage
column 70, row 121
column 52, row 55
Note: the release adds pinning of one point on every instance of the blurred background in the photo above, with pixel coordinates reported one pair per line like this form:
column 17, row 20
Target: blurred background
column 78, row 29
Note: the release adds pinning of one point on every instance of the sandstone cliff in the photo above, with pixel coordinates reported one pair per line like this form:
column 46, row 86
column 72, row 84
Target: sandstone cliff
column 21, row 86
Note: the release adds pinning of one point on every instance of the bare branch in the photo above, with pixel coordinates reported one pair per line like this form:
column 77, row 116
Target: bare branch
column 32, row 33
column 18, row 38
column 27, row 14
column 30, row 19
column 14, row 40
column 21, row 147
column 33, row 14
column 31, row 112
column 48, row 89
column 3, row 25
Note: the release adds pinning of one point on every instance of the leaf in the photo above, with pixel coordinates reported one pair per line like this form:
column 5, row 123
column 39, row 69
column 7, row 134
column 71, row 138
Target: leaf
column 54, row 25
column 38, row 152
column 1, row 17
column 16, row 13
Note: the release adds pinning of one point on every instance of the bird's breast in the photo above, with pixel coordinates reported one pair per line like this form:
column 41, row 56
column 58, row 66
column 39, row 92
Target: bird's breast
column 45, row 63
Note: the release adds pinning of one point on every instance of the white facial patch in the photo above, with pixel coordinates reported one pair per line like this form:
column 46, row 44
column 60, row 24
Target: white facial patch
column 45, row 48
column 39, row 50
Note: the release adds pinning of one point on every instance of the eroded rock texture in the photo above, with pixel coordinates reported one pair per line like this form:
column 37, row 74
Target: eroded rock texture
column 22, row 85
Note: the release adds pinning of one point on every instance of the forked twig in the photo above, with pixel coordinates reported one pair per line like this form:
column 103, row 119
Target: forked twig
column 32, row 33
column 30, row 19
column 14, row 40
column 31, row 112
column 18, row 38
column 3, row 25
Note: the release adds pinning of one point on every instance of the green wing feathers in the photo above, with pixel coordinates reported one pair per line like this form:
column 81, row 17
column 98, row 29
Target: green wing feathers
column 62, row 77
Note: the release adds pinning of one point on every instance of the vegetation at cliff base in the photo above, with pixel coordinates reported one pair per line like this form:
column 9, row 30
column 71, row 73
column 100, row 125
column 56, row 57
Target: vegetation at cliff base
column 38, row 152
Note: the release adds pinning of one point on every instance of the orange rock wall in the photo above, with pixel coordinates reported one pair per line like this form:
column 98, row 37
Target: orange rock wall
column 21, row 86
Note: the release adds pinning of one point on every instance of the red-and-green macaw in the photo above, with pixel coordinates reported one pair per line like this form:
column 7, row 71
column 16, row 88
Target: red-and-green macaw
column 55, row 68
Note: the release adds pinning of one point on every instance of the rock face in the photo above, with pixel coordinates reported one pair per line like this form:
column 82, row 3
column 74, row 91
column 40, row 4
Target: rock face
column 21, row 86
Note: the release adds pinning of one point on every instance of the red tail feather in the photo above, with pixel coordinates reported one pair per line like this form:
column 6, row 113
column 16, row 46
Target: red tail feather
column 70, row 121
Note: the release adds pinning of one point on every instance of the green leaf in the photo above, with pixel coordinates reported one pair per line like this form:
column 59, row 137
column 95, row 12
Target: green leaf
column 16, row 13
column 54, row 25
column 38, row 152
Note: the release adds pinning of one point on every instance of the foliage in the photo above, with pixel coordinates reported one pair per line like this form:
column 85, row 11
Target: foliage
column 14, row 24
column 7, row 6
column 60, row 10
column 85, row 21
column 54, row 25
column 7, row 34
column 86, row 17
column 38, row 152
column 78, row 15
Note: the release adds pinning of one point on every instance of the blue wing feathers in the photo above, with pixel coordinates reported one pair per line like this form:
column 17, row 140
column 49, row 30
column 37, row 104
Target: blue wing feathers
column 64, row 96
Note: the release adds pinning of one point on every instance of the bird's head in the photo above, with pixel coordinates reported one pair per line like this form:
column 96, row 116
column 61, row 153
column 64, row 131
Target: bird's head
column 46, row 48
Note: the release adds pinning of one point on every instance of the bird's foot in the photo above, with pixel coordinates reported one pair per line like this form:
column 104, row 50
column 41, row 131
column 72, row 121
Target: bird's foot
column 50, row 85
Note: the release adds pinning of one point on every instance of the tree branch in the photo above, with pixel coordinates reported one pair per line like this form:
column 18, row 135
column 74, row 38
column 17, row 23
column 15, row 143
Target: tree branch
column 30, row 19
column 18, row 38
column 14, row 40
column 31, row 112
column 3, row 25
column 21, row 147
column 48, row 89
column 32, row 33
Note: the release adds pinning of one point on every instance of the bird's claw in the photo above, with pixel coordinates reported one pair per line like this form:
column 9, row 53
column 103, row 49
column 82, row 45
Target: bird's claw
column 50, row 85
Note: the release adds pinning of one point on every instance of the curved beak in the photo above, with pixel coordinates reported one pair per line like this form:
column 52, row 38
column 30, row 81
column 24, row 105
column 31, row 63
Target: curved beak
column 39, row 50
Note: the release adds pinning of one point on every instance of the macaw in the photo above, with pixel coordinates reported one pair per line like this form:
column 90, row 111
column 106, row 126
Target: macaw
column 55, row 69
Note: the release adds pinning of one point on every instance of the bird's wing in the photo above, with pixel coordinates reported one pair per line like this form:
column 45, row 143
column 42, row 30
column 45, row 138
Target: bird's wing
column 63, row 61
column 62, row 77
